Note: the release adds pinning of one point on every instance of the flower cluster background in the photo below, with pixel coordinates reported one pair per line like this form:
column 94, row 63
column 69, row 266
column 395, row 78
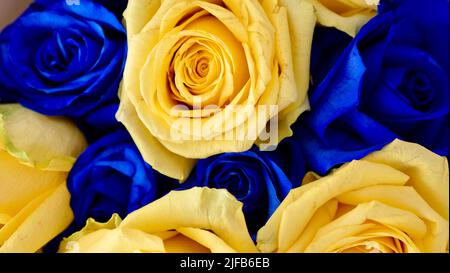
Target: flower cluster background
column 225, row 126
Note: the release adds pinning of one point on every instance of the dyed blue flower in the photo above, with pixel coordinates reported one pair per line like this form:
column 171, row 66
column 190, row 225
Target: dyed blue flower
column 252, row 177
column 391, row 82
column 112, row 177
column 61, row 58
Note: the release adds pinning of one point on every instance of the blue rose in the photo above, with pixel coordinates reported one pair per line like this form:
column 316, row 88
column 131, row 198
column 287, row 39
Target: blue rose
column 116, row 6
column 391, row 82
column 112, row 177
column 252, row 177
column 62, row 58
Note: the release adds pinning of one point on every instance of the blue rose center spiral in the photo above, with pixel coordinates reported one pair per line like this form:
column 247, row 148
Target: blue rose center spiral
column 61, row 56
column 235, row 180
column 417, row 87
column 245, row 176
column 253, row 178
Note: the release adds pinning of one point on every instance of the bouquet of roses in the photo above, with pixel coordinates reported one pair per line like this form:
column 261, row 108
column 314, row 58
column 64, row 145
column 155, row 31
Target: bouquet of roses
column 225, row 126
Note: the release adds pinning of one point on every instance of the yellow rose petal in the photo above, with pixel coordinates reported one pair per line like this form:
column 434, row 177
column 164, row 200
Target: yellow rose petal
column 428, row 171
column 139, row 13
column 47, row 143
column 207, row 239
column 323, row 216
column 406, row 198
column 301, row 35
column 182, row 244
column 108, row 238
column 353, row 176
column 201, row 208
column 19, row 184
column 346, row 15
column 195, row 220
column 42, row 220
column 36, row 153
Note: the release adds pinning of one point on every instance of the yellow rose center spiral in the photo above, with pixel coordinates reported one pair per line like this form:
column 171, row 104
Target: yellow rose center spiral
column 208, row 65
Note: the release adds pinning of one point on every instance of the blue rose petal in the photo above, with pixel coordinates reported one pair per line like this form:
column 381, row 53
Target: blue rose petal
column 112, row 177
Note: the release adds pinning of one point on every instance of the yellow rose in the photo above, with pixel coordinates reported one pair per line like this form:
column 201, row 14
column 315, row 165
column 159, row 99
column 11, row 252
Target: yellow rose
column 346, row 15
column 208, row 77
column 185, row 56
column 36, row 154
column 394, row 200
column 196, row 220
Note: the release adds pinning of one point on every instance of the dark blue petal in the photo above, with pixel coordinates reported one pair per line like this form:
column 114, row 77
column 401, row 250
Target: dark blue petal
column 112, row 177
column 252, row 177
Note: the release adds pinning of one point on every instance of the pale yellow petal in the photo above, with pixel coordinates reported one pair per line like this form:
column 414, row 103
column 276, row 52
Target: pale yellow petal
column 152, row 150
column 47, row 143
column 323, row 216
column 406, row 198
column 346, row 15
column 207, row 239
column 19, row 218
column 201, row 208
column 116, row 241
column 91, row 226
column 428, row 171
column 40, row 222
column 108, row 238
column 182, row 244
column 196, row 220
column 138, row 13
column 289, row 220
column 19, row 184
column 370, row 236
column 301, row 35
column 370, row 222
column 378, row 212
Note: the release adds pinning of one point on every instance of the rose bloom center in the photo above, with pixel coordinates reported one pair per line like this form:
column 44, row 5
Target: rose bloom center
column 210, row 68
